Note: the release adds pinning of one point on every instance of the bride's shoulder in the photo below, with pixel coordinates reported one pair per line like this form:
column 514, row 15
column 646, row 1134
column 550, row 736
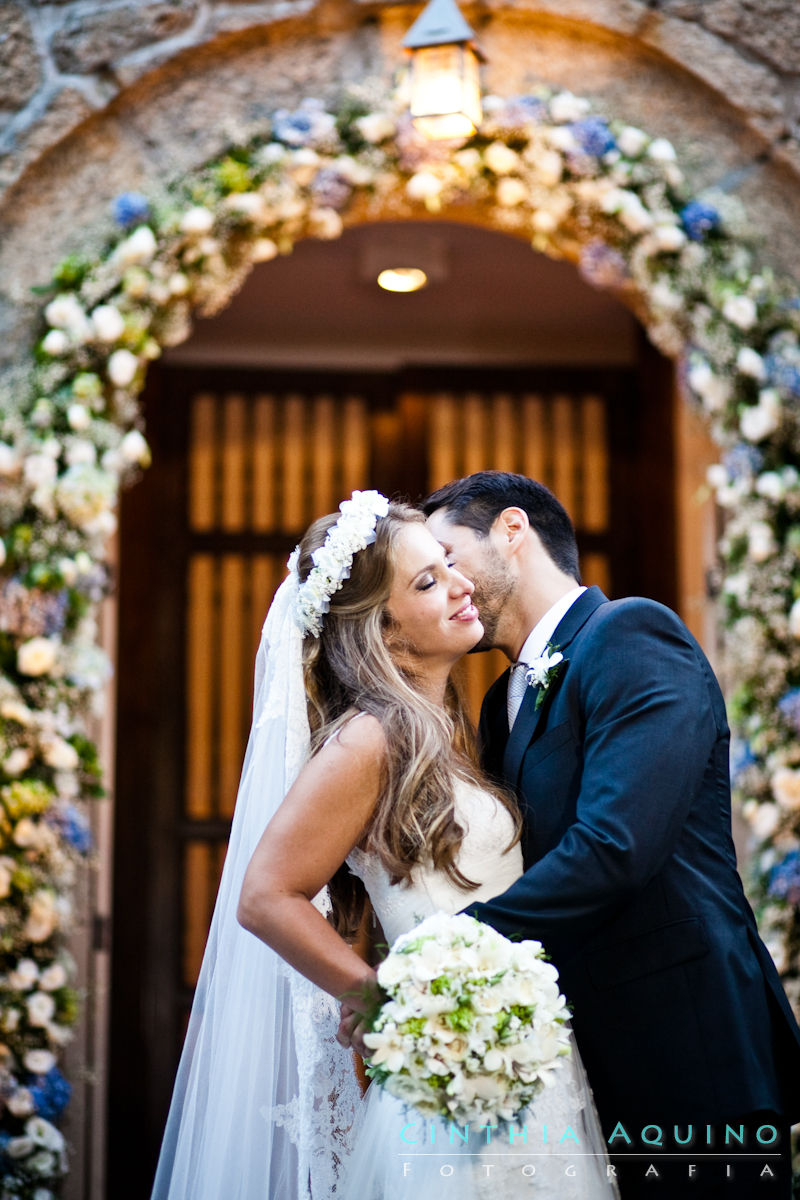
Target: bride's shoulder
column 361, row 734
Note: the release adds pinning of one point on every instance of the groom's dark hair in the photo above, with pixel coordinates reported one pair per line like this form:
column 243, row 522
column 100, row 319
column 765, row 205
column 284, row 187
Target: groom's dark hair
column 477, row 501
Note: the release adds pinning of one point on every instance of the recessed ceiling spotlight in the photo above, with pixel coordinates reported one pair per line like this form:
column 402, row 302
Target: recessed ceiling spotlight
column 402, row 279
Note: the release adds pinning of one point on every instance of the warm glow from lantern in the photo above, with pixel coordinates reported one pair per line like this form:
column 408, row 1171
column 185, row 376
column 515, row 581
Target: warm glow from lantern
column 445, row 91
column 402, row 279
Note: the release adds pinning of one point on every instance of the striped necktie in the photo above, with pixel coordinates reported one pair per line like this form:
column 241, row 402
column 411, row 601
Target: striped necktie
column 516, row 690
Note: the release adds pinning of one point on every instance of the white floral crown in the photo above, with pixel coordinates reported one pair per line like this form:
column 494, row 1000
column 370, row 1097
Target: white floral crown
column 353, row 531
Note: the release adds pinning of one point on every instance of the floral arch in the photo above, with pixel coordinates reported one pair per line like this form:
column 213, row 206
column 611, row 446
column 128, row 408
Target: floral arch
column 602, row 194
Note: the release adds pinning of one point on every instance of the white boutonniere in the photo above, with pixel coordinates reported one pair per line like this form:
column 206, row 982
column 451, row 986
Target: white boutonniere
column 544, row 671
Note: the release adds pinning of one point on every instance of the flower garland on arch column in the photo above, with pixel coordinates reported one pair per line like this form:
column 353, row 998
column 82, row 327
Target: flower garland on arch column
column 603, row 194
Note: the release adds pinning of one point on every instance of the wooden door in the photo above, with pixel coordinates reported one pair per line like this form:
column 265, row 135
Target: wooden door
column 243, row 461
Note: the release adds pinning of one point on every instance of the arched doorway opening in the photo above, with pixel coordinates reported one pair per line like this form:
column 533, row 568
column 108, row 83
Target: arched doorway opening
column 310, row 383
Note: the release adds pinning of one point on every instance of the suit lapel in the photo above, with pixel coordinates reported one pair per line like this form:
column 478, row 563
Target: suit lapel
column 529, row 717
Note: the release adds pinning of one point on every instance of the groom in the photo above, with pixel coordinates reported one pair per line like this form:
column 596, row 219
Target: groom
column 618, row 751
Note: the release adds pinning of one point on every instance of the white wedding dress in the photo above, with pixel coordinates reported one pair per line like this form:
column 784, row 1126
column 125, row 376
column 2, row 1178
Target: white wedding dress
column 556, row 1150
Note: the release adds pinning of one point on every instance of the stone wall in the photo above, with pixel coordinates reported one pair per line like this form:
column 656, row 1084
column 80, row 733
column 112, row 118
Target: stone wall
column 97, row 96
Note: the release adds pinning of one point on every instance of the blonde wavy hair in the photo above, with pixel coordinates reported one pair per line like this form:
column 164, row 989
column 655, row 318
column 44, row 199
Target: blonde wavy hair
column 350, row 668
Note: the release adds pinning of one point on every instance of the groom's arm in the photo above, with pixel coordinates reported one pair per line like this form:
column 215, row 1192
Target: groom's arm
column 650, row 730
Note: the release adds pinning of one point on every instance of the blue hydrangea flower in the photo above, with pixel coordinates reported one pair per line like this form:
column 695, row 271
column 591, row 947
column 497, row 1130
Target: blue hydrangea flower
column 741, row 758
column 601, row 265
column 73, row 827
column 519, row 110
column 743, row 461
column 784, row 880
column 699, row 220
column 593, row 136
column 783, row 374
column 789, row 707
column 51, row 1093
column 130, row 208
column 330, row 189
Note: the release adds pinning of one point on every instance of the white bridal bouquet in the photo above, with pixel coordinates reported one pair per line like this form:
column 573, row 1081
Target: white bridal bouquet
column 474, row 1025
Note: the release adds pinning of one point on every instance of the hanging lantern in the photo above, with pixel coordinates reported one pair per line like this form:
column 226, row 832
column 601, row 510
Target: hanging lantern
column 445, row 72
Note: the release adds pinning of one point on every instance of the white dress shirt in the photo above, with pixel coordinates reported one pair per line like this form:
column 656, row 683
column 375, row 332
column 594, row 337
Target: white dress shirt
column 536, row 641
column 533, row 647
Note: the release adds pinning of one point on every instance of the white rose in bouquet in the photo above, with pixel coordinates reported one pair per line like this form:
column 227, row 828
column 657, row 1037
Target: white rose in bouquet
column 474, row 1025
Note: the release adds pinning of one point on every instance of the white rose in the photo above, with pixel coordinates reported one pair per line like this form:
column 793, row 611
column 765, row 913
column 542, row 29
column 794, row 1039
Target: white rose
column 15, row 710
column 424, row 185
column 17, row 761
column 249, row 204
column 108, row 323
column 45, row 1134
column 760, row 420
column 749, row 362
column 632, row 141
column 740, row 311
column 137, row 249
column 122, row 368
column 39, row 1062
column 37, row 656
column 81, row 452
column 511, row 192
column 543, row 221
column 549, row 167
column 55, row 343
column 761, row 543
column 78, row 417
column 669, row 237
column 10, row 462
column 24, row 975
column 197, row 221
column 785, row 785
column 352, row 170
column 40, row 470
column 53, row 978
column 325, row 223
column 375, row 127
column 566, row 107
column 763, row 819
column 59, row 754
column 500, row 158
column 771, row 486
column 43, row 919
column 134, row 448
column 263, row 250
column 660, row 150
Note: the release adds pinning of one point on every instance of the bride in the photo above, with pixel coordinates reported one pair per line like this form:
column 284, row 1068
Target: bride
column 361, row 766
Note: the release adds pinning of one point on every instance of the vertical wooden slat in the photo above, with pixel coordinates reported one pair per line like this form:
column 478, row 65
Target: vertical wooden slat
column 199, row 705
column 202, row 452
column 506, row 434
column 233, row 463
column 595, row 569
column 263, row 457
column 323, row 477
column 475, row 434
column 595, row 465
column 441, row 439
column 230, row 634
column 564, row 453
column 355, row 445
column 293, row 498
column 533, row 438
column 197, row 908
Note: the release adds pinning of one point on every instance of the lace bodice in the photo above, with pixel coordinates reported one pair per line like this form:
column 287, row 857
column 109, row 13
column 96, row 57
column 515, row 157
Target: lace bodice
column 482, row 857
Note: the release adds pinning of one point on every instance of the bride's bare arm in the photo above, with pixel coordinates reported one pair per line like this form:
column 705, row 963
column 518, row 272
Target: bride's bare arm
column 322, row 817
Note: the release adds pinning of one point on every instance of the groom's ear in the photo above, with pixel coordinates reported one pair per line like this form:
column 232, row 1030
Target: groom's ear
column 511, row 529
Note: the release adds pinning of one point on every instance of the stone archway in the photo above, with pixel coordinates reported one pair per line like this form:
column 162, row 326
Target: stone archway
column 132, row 139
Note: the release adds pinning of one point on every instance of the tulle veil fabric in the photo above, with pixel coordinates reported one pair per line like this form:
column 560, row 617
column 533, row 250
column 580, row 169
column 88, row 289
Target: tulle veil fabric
column 265, row 1098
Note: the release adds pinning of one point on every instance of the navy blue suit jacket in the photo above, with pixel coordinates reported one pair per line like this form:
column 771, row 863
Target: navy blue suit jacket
column 631, row 880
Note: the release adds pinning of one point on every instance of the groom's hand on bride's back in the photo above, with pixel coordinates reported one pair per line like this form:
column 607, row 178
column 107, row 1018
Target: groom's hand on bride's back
column 352, row 1027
